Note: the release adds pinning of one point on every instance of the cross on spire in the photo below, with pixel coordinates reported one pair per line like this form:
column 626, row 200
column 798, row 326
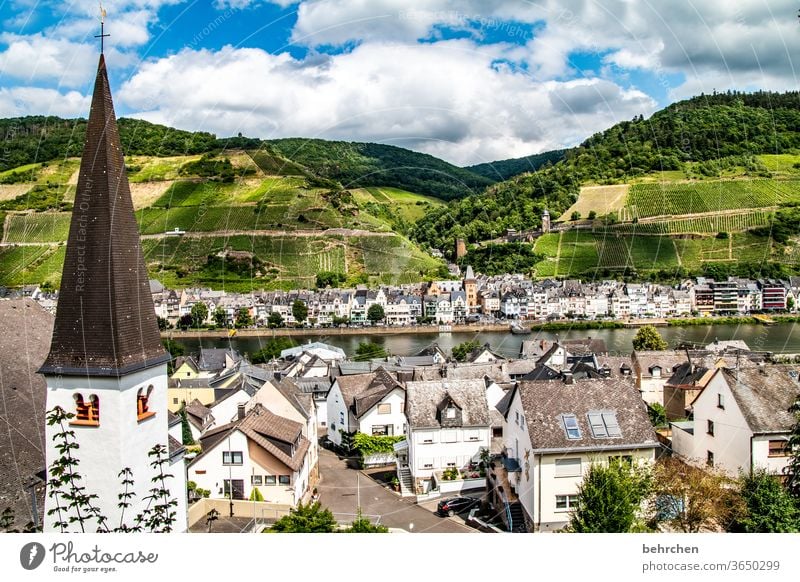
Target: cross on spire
column 102, row 35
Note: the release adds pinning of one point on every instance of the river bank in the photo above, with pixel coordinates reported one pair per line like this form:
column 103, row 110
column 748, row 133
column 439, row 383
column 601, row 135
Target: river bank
column 561, row 325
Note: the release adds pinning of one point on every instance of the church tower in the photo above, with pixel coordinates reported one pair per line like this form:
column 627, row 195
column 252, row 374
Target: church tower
column 545, row 221
column 106, row 363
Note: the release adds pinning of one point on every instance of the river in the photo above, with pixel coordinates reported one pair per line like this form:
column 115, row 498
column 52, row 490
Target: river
column 783, row 337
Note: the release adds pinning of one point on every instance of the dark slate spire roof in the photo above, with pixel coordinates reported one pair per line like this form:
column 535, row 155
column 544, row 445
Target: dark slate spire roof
column 105, row 322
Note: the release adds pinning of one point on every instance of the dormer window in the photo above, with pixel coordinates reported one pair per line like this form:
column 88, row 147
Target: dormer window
column 87, row 412
column 143, row 403
column 450, row 412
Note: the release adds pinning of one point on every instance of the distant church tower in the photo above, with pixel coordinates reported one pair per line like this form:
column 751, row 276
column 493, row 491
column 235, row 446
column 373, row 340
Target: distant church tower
column 106, row 363
column 545, row 221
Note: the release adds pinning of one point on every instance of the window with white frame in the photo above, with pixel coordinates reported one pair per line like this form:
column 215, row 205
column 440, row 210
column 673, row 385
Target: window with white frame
column 385, row 408
column 449, row 436
column 232, row 457
column 571, row 426
column 472, row 435
column 568, row 467
column 566, row 502
column 451, row 412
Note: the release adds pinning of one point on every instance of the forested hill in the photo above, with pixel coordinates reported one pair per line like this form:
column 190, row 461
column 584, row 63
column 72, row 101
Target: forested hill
column 39, row 139
column 356, row 164
column 704, row 128
column 507, row 169
column 712, row 130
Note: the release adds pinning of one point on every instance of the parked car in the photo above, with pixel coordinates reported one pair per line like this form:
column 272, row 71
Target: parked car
column 452, row 505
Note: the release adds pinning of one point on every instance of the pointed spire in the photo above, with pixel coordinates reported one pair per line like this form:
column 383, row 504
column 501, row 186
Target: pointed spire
column 105, row 321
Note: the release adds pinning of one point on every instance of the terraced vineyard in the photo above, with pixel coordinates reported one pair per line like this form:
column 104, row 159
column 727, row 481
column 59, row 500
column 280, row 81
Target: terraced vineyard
column 170, row 194
column 708, row 224
column 678, row 198
column 574, row 254
column 40, row 227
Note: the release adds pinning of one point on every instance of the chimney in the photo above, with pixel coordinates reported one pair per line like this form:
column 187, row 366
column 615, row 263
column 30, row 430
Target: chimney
column 240, row 412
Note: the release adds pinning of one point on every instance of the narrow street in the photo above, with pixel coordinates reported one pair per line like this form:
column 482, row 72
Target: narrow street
column 341, row 489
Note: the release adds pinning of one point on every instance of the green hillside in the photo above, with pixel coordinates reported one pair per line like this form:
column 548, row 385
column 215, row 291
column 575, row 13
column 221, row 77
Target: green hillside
column 507, row 169
column 713, row 164
column 354, row 165
column 244, row 228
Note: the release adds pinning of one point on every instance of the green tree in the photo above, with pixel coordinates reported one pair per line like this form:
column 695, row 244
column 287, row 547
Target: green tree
column 691, row 499
column 220, row 317
column 575, row 215
column 592, row 215
column 464, row 349
column 648, row 338
column 272, row 349
column 299, row 311
column 610, row 498
column 657, row 414
column 369, row 351
column 243, row 318
column 163, row 324
column 363, row 525
column 275, row 319
column 186, row 431
column 308, row 518
column 255, row 495
column 375, row 313
column 199, row 314
column 768, row 507
column 329, row 279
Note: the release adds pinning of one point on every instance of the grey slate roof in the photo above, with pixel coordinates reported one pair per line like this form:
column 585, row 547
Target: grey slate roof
column 105, row 323
column 363, row 391
column 213, row 359
column 764, row 396
column 545, row 402
column 25, row 337
column 423, row 398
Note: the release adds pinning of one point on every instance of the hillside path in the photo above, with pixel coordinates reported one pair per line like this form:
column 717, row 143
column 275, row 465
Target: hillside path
column 303, row 233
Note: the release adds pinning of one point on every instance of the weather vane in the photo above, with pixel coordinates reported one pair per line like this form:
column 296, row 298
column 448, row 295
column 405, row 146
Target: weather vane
column 101, row 36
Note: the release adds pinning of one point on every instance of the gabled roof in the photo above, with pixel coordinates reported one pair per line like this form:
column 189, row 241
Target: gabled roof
column 213, row 359
column 105, row 323
column 275, row 434
column 423, row 398
column 199, row 415
column 479, row 351
column 544, row 404
column 542, row 373
column 363, row 391
column 764, row 394
column 300, row 400
column 188, row 360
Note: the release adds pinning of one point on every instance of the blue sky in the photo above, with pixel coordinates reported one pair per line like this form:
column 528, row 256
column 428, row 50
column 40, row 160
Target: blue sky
column 469, row 80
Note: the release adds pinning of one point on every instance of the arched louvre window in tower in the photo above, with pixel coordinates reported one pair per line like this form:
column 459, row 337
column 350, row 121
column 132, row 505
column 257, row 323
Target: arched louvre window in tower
column 143, row 403
column 87, row 412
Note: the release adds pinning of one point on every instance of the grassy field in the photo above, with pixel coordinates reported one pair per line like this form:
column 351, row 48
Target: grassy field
column 709, row 196
column 151, row 169
column 601, row 199
column 788, row 164
column 411, row 207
